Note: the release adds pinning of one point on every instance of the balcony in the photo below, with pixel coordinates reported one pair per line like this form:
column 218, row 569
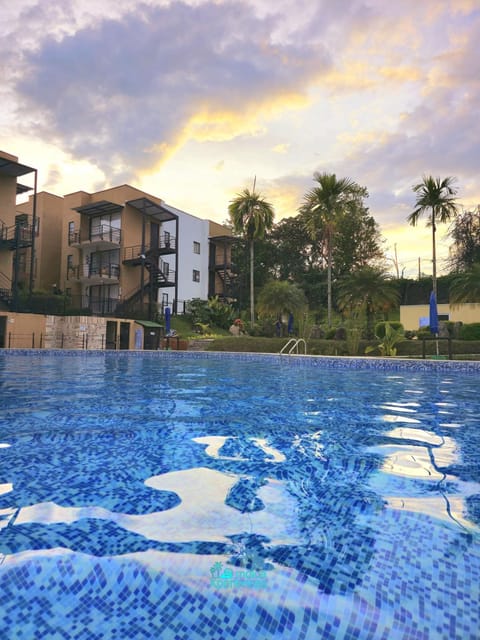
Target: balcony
column 103, row 237
column 17, row 236
column 74, row 239
column 95, row 275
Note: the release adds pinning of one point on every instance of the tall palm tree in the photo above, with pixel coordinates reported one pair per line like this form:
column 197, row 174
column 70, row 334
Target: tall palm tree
column 370, row 290
column 436, row 198
column 322, row 207
column 251, row 216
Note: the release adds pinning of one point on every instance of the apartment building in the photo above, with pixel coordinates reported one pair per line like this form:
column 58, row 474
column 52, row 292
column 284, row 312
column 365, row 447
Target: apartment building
column 125, row 252
column 18, row 231
column 117, row 252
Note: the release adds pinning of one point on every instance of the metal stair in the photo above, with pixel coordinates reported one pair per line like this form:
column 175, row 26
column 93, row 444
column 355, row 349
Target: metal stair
column 5, row 290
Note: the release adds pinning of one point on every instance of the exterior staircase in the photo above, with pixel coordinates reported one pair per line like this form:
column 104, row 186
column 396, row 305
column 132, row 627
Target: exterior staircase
column 5, row 290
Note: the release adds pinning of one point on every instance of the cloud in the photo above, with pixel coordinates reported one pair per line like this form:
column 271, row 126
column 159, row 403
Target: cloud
column 125, row 93
column 281, row 148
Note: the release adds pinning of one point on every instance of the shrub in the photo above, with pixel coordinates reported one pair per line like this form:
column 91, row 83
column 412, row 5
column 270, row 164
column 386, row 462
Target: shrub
column 470, row 331
column 210, row 312
column 353, row 341
column 449, row 326
column 380, row 328
column 388, row 346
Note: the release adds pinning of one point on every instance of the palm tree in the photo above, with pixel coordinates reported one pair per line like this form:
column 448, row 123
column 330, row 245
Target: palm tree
column 369, row 290
column 251, row 217
column 281, row 297
column 322, row 207
column 465, row 286
column 437, row 197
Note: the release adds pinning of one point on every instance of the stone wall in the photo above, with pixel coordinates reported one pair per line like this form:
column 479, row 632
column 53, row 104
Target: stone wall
column 27, row 331
column 75, row 332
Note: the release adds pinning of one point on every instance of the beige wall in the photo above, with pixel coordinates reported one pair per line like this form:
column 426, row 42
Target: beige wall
column 410, row 314
column 71, row 200
column 216, row 229
column 24, row 330
column 48, row 243
column 131, row 229
column 27, row 331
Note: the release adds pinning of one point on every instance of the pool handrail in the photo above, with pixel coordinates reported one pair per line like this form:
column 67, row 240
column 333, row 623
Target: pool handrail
column 294, row 342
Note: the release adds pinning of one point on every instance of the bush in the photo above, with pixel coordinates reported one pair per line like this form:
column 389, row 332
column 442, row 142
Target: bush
column 470, row 331
column 380, row 328
column 449, row 326
column 210, row 312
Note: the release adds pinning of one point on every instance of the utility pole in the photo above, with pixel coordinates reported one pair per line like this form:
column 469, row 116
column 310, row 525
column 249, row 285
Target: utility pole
column 252, row 285
column 395, row 261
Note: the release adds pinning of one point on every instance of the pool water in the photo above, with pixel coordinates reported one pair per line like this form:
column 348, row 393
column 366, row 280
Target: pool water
column 186, row 496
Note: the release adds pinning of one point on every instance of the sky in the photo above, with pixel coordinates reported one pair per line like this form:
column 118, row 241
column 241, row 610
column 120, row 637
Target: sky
column 191, row 101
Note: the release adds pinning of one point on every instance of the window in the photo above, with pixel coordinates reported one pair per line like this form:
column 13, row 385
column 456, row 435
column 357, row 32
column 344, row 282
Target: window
column 71, row 233
column 196, row 275
column 105, row 227
column 69, row 265
column 196, row 247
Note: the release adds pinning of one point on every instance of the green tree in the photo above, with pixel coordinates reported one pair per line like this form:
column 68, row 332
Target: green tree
column 251, row 217
column 281, row 297
column 465, row 232
column 436, row 198
column 321, row 210
column 292, row 251
column 465, row 286
column 368, row 290
column 357, row 242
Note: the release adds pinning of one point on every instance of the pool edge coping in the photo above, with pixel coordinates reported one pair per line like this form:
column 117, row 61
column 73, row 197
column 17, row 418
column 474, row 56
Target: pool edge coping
column 331, row 362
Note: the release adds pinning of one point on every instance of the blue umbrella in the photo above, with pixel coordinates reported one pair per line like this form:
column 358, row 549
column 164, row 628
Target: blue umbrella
column 290, row 324
column 433, row 314
column 168, row 315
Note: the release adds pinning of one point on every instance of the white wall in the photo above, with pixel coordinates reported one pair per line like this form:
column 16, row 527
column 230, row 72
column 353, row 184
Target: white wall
column 190, row 230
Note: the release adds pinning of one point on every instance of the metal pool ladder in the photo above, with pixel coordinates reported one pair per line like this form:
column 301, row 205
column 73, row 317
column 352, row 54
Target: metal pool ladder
column 293, row 344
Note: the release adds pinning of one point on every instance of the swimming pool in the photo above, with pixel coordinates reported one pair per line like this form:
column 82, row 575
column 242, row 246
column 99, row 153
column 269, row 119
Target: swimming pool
column 179, row 496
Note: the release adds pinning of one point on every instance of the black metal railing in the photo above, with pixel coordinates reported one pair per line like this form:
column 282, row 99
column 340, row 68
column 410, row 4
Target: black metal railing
column 74, row 237
column 77, row 272
column 105, row 233
column 436, row 348
column 135, row 251
column 16, row 236
column 78, row 305
column 102, row 233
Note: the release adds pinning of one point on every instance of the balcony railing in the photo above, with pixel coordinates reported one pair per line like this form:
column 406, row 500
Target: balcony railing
column 74, row 237
column 105, row 271
column 105, row 233
column 102, row 233
column 108, row 271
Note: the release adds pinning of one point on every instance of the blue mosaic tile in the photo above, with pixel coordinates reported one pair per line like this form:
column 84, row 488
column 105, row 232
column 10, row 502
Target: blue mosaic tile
column 352, row 545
